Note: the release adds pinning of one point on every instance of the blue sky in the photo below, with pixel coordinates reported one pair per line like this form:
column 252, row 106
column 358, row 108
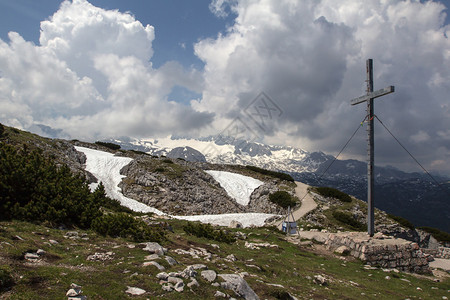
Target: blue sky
column 155, row 68
column 178, row 24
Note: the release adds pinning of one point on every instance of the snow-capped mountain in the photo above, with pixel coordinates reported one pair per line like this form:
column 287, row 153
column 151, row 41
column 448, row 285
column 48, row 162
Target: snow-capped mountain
column 411, row 195
column 225, row 150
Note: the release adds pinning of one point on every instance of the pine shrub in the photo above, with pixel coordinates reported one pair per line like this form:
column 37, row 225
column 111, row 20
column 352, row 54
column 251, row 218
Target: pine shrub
column 126, row 226
column 282, row 198
column 334, row 193
column 438, row 234
column 111, row 146
column 208, row 231
column 279, row 175
column 402, row 221
column 349, row 220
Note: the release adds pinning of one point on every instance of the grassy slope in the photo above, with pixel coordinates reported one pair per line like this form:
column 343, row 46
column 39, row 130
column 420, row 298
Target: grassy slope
column 291, row 265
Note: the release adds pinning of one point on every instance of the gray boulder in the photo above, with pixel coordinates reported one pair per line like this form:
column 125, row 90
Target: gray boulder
column 209, row 275
column 153, row 247
column 237, row 284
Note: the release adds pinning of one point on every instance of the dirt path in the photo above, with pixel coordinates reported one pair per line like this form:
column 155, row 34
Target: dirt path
column 308, row 203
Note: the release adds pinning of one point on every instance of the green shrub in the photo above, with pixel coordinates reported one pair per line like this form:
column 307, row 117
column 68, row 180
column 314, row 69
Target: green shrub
column 334, row 193
column 124, row 225
column 168, row 161
column 2, row 129
column 140, row 152
column 207, row 231
column 438, row 234
column 279, row 175
column 160, row 170
column 6, row 280
column 282, row 198
column 402, row 221
column 33, row 189
column 111, row 146
column 349, row 220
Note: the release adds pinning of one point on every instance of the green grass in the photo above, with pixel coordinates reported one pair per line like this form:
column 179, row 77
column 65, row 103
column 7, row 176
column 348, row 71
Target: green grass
column 289, row 265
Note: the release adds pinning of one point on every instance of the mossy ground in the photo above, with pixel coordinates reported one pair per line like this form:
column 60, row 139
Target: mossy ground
column 289, row 265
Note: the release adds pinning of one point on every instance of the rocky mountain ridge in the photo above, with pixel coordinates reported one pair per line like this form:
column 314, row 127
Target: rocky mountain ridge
column 414, row 196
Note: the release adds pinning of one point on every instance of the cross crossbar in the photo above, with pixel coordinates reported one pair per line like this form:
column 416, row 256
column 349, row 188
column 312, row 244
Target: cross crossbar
column 373, row 95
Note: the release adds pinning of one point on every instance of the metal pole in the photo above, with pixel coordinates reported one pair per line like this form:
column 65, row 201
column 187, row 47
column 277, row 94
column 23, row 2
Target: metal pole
column 370, row 163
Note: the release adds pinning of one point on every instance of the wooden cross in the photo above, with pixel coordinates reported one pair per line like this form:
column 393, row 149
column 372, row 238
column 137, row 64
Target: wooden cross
column 368, row 98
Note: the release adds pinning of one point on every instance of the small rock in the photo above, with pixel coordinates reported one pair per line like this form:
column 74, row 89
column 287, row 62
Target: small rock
column 342, row 250
column 199, row 267
column 209, row 275
column 153, row 247
column 319, row 279
column 151, row 257
column 174, row 280
column 171, row 261
column 230, row 258
column 193, row 282
column 238, row 285
column 53, row 242
column 40, row 252
column 73, row 293
column 236, row 224
column 179, row 287
column 167, row 287
column 220, row 294
column 31, row 256
column 387, row 278
column 189, row 272
column 162, row 276
column 135, row 291
column 153, row 263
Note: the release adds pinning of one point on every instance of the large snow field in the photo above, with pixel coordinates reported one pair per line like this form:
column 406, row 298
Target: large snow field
column 106, row 168
column 238, row 187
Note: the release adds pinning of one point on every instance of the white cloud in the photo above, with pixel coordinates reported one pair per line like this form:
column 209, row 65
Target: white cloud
column 309, row 56
column 92, row 76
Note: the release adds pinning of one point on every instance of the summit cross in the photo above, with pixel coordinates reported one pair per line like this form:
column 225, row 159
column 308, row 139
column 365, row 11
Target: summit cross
column 368, row 98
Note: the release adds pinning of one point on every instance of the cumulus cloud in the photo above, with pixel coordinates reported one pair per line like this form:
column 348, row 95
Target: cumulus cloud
column 92, row 77
column 309, row 56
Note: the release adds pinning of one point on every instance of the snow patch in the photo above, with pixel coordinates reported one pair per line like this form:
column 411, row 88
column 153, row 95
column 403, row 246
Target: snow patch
column 106, row 168
column 238, row 187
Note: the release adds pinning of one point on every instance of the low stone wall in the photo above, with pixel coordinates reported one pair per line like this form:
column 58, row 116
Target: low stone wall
column 382, row 251
column 444, row 252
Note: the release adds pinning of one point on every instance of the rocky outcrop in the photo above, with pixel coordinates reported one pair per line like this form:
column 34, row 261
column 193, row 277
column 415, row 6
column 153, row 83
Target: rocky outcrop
column 176, row 187
column 187, row 153
column 183, row 188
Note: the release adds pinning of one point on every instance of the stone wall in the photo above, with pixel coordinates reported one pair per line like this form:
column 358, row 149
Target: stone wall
column 382, row 251
column 444, row 252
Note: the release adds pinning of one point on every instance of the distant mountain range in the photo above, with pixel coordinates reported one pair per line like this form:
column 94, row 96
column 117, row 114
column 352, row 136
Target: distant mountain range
column 414, row 196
